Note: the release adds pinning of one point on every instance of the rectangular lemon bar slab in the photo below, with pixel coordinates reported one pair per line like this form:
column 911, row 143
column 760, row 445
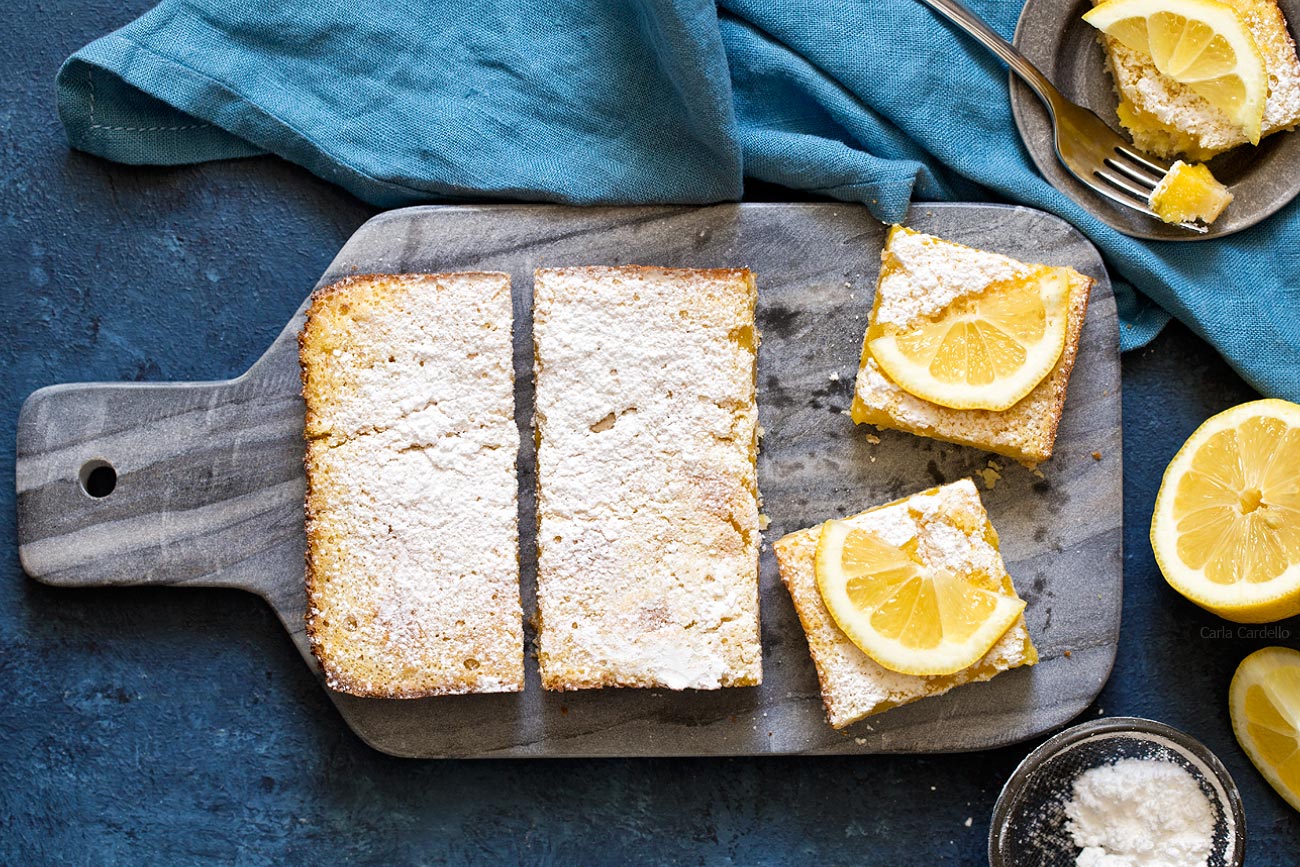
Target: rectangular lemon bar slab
column 948, row 522
column 919, row 276
column 647, row 494
column 1166, row 118
column 412, row 520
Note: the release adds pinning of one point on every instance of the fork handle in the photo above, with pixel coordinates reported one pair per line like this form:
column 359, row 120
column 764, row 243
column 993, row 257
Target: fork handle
column 989, row 38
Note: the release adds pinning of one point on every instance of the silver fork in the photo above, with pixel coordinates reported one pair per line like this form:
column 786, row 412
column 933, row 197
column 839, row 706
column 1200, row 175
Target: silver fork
column 1091, row 150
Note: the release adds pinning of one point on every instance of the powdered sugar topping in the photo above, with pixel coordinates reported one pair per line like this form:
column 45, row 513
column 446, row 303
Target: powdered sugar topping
column 923, row 274
column 1140, row 813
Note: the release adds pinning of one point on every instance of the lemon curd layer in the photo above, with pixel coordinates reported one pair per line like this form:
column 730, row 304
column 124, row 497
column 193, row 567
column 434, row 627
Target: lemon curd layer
column 1189, row 192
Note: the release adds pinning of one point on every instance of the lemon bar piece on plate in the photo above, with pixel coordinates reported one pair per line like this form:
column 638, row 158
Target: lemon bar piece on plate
column 922, row 276
column 1168, row 119
column 947, row 523
column 412, row 520
column 1189, row 192
column 647, row 504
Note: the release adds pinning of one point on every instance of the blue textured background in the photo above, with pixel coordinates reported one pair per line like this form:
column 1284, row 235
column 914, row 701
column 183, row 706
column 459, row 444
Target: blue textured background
column 180, row 726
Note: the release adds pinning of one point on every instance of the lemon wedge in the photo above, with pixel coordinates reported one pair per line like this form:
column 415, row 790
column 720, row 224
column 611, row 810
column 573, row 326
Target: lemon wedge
column 1264, row 703
column 907, row 617
column 1226, row 528
column 985, row 351
column 1203, row 44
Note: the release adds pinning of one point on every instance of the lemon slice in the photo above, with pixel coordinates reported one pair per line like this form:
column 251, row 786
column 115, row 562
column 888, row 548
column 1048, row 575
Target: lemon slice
column 985, row 351
column 906, row 617
column 1203, row 44
column 1226, row 529
column 1264, row 702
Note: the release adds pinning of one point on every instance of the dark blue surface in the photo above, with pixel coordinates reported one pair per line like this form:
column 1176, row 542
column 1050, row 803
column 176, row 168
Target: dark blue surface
column 181, row 726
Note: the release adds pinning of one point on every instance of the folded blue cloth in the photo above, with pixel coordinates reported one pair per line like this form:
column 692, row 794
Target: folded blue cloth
column 643, row 101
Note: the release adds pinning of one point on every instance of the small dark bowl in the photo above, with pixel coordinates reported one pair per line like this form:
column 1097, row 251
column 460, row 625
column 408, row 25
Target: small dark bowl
column 1029, row 822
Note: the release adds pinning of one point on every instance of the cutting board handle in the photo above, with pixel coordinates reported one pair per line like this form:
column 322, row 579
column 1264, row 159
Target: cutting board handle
column 173, row 483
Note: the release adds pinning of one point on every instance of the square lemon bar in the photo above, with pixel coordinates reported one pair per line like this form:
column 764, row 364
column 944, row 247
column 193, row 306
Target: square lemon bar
column 947, row 522
column 921, row 275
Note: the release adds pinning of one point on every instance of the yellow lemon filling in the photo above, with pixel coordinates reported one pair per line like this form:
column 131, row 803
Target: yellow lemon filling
column 1189, row 192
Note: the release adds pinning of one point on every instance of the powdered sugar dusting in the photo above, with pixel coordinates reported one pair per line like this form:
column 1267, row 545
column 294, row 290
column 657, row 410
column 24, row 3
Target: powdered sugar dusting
column 922, row 274
column 1140, row 813
column 647, row 497
column 944, row 523
column 412, row 512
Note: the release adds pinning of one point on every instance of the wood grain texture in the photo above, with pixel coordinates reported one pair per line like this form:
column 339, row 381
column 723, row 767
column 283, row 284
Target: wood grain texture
column 210, row 484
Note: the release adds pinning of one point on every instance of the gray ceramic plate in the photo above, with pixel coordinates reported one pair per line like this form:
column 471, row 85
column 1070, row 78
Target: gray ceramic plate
column 1052, row 34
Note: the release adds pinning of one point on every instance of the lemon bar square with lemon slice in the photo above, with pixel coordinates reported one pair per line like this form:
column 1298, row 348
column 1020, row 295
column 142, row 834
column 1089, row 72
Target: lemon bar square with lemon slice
column 943, row 543
column 1183, row 69
column 969, row 346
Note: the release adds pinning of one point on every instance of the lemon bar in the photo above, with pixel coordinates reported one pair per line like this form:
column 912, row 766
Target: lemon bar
column 412, row 520
column 647, row 495
column 1168, row 119
column 920, row 275
column 948, row 522
column 1189, row 192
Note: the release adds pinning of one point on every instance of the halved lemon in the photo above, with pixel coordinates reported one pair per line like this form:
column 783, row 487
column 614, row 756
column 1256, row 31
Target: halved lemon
column 1226, row 528
column 909, row 618
column 986, row 351
column 1203, row 44
column 1264, row 703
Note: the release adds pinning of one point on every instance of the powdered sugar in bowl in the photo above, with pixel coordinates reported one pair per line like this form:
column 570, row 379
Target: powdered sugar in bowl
column 1119, row 792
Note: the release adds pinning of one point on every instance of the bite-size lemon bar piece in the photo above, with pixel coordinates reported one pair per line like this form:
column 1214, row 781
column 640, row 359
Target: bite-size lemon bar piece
column 920, row 275
column 1189, row 192
column 1168, row 119
column 854, row 686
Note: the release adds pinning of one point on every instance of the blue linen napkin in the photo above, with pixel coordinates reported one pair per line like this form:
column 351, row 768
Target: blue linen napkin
column 644, row 101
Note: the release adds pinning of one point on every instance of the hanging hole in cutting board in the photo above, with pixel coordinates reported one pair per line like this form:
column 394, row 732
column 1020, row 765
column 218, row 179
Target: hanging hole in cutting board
column 98, row 478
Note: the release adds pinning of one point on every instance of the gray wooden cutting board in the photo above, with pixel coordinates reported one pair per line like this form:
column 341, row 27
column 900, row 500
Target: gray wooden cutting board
column 210, row 480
